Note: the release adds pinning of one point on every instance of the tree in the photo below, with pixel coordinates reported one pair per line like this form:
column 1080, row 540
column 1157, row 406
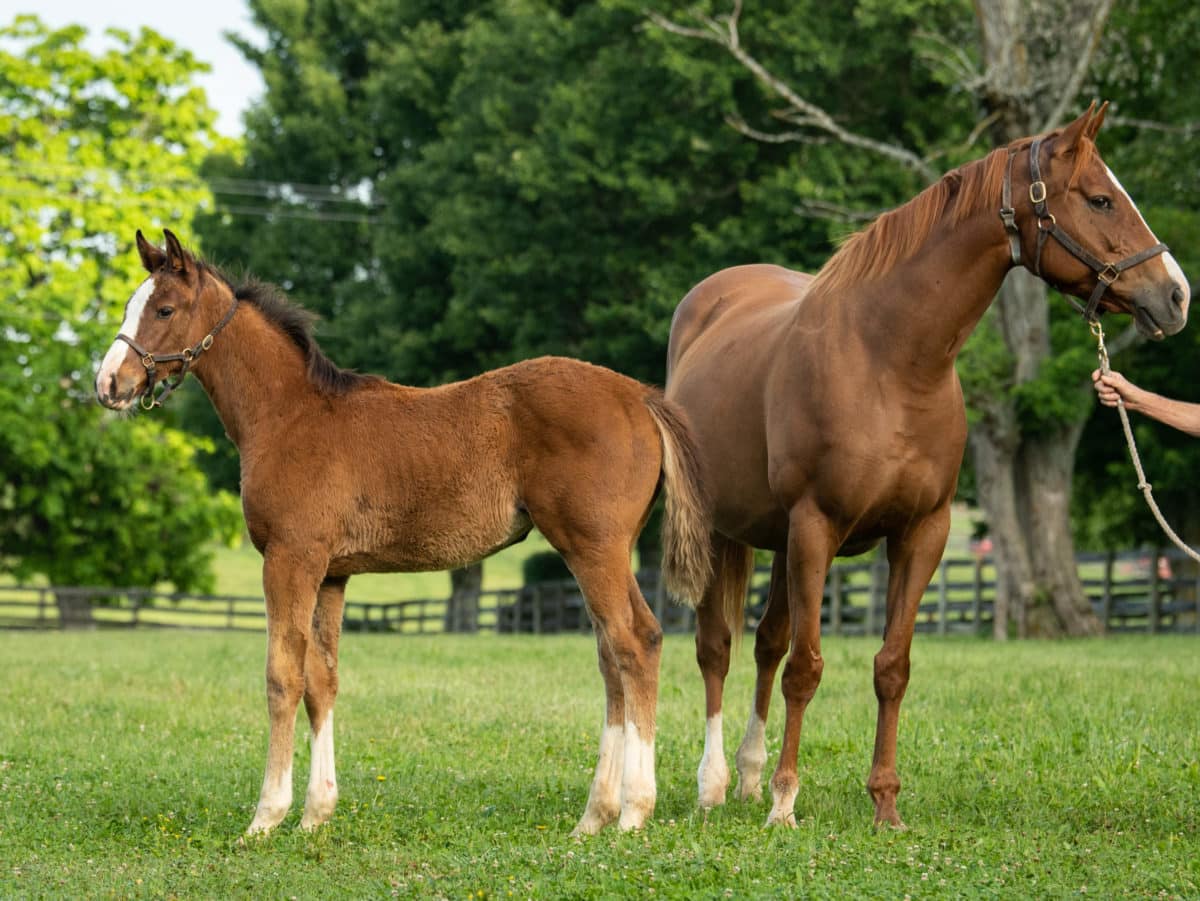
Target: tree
column 95, row 146
column 1025, row 369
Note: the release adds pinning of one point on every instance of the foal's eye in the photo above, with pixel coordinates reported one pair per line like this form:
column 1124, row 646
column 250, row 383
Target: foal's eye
column 165, row 312
column 1101, row 202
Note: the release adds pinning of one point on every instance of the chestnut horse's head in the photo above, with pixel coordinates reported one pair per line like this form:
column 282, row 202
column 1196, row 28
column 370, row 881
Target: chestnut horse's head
column 1085, row 235
column 162, row 334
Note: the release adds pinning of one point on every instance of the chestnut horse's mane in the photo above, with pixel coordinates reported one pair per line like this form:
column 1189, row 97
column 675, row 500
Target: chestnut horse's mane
column 296, row 323
column 897, row 234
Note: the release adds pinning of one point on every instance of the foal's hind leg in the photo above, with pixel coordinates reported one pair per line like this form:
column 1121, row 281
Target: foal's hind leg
column 770, row 644
column 627, row 627
column 290, row 583
column 604, row 798
column 320, row 692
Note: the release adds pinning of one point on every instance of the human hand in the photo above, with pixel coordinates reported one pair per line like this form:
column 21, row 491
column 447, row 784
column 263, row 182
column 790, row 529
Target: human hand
column 1112, row 387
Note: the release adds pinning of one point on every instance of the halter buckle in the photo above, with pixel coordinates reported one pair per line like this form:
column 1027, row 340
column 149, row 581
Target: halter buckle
column 1037, row 192
column 148, row 361
column 1049, row 217
column 148, row 396
column 1108, row 274
column 207, row 342
column 187, row 353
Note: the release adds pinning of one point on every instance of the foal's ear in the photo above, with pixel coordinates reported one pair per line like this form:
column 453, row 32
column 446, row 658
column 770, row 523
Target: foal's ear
column 152, row 257
column 1071, row 136
column 178, row 259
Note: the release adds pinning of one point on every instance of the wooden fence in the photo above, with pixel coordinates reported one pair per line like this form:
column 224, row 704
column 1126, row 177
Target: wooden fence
column 1130, row 593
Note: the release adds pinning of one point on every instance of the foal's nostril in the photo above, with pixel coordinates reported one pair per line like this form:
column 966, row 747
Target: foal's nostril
column 1177, row 296
column 112, row 385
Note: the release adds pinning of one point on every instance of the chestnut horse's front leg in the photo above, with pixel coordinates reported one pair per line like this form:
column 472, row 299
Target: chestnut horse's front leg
column 290, row 583
column 912, row 558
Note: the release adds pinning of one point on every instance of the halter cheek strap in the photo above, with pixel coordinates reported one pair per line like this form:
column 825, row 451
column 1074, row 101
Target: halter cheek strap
column 1048, row 227
column 187, row 356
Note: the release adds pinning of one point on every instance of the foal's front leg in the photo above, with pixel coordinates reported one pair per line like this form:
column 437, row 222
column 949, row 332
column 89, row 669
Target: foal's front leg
column 290, row 582
column 320, row 692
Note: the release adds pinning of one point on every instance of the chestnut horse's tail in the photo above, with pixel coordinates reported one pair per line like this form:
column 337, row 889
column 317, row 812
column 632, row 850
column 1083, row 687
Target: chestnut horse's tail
column 686, row 531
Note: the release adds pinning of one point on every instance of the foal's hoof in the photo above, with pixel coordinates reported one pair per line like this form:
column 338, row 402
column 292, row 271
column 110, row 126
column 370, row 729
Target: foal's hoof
column 893, row 822
column 786, row 819
column 749, row 790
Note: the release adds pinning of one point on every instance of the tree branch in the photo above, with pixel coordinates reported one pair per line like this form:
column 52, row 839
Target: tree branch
column 1184, row 128
column 801, row 111
column 823, row 209
column 1070, row 91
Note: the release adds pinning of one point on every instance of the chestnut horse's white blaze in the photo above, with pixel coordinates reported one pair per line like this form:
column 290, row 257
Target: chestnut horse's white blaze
column 400, row 479
column 1174, row 271
column 133, row 315
column 713, row 775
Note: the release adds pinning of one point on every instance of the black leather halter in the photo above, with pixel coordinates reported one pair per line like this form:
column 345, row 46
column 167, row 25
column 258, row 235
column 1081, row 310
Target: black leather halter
column 1106, row 273
column 187, row 356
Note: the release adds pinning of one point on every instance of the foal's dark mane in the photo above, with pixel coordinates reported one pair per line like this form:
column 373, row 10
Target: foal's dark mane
column 296, row 323
column 897, row 234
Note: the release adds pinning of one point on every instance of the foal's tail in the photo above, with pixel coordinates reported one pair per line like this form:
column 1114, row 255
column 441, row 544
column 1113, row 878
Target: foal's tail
column 686, row 531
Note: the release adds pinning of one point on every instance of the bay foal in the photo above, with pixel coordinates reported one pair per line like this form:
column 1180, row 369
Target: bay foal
column 343, row 473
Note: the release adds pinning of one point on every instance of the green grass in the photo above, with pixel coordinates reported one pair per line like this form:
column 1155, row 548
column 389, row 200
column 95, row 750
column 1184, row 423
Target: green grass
column 130, row 764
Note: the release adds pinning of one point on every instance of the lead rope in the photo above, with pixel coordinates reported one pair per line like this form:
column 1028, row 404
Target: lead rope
column 1143, row 485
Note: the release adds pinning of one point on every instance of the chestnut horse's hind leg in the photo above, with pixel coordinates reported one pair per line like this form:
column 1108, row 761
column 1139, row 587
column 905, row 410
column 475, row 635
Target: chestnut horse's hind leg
column 770, row 644
column 631, row 636
column 724, row 597
column 604, row 798
column 320, row 692
column 810, row 550
column 912, row 559
column 290, row 583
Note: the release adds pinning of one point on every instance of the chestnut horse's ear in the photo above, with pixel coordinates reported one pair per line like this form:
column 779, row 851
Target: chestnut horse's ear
column 1069, row 137
column 1097, row 121
column 152, row 257
column 178, row 259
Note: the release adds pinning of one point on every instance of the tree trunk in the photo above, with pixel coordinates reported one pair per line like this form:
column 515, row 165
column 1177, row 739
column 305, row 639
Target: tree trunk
column 1060, row 605
column 462, row 610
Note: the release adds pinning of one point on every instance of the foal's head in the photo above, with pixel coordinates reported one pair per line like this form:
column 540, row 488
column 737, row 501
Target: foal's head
column 168, row 322
column 1079, row 201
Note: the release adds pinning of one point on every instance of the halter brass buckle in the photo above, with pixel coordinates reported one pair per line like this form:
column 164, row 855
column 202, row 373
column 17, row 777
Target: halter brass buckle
column 1037, row 192
column 148, row 361
column 1108, row 274
column 207, row 342
column 149, row 395
column 1049, row 217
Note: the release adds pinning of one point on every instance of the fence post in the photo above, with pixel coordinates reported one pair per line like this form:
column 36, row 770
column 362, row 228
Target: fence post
column 835, row 600
column 539, row 602
column 1155, row 592
column 872, row 596
column 1110, row 557
column 977, row 593
column 42, row 607
column 942, row 599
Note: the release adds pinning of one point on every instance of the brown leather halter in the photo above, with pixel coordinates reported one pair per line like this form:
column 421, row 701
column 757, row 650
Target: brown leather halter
column 187, row 356
column 1106, row 273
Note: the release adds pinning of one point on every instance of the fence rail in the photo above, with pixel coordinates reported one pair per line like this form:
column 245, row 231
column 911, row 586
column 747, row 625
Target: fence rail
column 1130, row 592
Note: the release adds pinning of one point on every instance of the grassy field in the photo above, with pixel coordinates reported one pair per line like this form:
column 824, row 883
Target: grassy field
column 130, row 763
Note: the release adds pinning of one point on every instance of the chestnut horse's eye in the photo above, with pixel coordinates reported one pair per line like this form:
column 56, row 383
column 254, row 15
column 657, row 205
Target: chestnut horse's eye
column 1101, row 202
column 165, row 312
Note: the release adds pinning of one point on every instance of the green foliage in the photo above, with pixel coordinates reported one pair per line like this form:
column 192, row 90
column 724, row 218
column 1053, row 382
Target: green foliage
column 97, row 145
column 544, row 566
column 1029, row 770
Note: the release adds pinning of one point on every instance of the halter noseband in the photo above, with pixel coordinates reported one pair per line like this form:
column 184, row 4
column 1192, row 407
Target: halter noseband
column 187, row 356
column 1106, row 273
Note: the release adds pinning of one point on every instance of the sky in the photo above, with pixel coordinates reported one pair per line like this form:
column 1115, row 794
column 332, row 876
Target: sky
column 198, row 25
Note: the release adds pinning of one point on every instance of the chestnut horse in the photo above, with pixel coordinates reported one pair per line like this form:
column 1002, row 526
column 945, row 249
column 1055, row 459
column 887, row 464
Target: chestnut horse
column 829, row 415
column 343, row 473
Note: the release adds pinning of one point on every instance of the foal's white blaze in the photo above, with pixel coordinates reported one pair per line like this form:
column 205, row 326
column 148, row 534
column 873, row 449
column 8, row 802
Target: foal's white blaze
column 1174, row 271
column 322, row 778
column 713, row 775
column 604, row 799
column 752, row 758
column 133, row 315
column 638, row 791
